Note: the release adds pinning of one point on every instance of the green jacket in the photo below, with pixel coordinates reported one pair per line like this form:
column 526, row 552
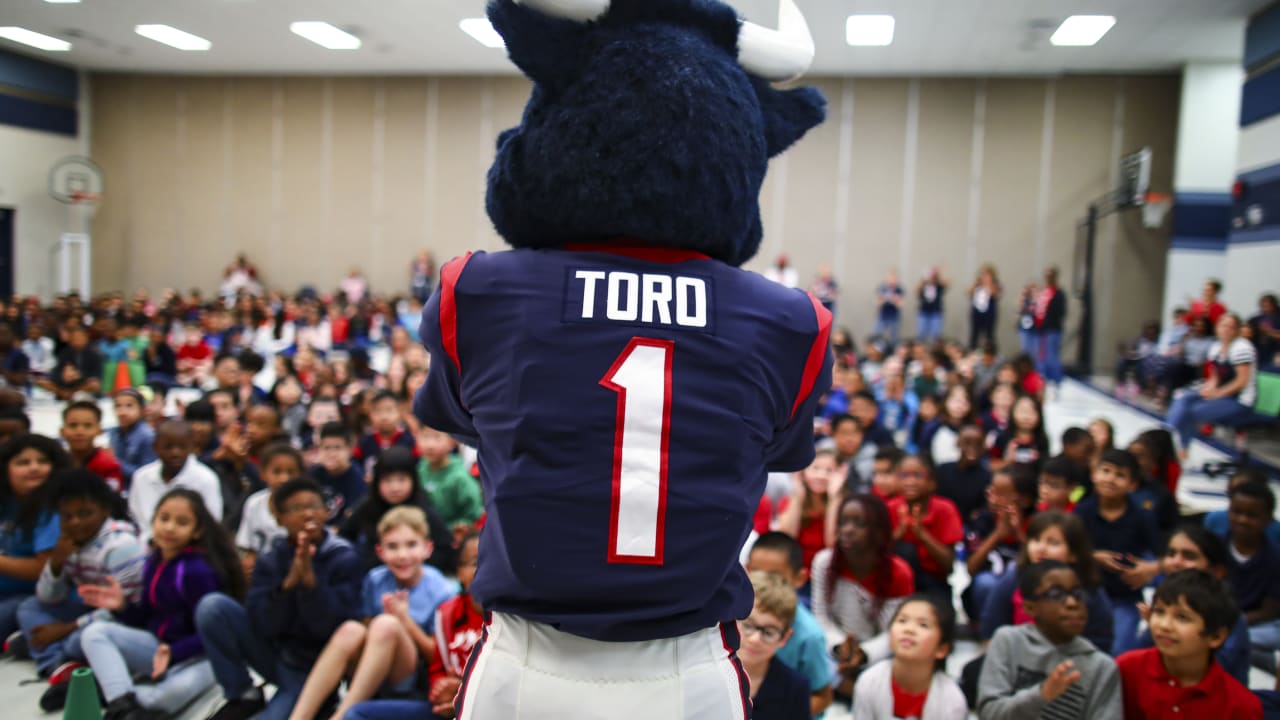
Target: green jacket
column 453, row 492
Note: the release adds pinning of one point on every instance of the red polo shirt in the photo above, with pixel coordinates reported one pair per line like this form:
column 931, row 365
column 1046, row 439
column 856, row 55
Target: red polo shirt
column 941, row 519
column 1151, row 693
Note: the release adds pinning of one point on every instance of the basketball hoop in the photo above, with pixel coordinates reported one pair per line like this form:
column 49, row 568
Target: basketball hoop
column 1155, row 208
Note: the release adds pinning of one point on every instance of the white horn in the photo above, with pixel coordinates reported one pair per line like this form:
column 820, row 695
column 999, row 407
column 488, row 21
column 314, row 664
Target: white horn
column 578, row 10
column 777, row 55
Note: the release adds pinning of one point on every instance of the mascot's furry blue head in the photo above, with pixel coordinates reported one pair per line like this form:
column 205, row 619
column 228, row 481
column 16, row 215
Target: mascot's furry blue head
column 650, row 120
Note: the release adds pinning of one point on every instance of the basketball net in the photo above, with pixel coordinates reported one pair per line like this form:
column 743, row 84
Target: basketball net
column 1155, row 209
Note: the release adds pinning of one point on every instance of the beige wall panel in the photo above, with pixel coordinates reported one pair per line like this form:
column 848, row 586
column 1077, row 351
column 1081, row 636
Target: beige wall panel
column 460, row 224
column 112, row 150
column 808, row 233
column 941, row 216
column 308, row 211
column 1010, row 187
column 404, row 206
column 351, row 225
column 252, row 168
column 158, row 234
column 875, row 196
column 204, row 186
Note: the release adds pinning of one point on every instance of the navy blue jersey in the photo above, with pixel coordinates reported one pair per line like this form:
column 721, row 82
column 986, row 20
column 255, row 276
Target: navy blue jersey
column 627, row 404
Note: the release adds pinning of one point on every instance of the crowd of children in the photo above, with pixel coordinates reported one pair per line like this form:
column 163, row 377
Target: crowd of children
column 312, row 534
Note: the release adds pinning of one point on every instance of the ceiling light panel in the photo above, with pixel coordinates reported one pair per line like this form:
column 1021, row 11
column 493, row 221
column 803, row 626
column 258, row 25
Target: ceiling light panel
column 1082, row 30
column 173, row 37
column 34, row 39
column 482, row 31
column 326, row 35
column 869, row 30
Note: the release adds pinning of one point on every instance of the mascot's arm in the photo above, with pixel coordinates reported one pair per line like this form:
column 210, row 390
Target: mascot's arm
column 792, row 446
column 439, row 401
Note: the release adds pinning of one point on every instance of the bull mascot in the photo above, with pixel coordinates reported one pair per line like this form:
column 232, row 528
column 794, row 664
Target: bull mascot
column 626, row 384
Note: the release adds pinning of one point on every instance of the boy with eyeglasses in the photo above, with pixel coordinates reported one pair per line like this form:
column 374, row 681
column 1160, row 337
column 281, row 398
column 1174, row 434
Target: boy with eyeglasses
column 1045, row 669
column 777, row 692
column 304, row 586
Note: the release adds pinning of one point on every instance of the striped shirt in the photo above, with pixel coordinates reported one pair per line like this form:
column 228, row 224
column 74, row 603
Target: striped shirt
column 114, row 552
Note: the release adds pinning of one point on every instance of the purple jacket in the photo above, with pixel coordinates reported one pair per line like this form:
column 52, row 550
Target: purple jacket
column 170, row 591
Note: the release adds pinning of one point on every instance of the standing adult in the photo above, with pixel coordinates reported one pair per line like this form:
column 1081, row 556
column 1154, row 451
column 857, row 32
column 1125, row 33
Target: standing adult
column 929, row 292
column 1229, row 391
column 1028, row 340
column 889, row 295
column 826, row 289
column 984, row 301
column 422, row 271
column 782, row 273
column 1050, row 312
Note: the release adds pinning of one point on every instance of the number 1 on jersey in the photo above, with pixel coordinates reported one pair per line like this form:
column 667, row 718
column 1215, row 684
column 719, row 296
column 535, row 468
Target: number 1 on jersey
column 641, row 376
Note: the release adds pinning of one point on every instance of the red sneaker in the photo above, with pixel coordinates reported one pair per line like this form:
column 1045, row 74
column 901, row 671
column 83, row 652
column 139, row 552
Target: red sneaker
column 62, row 673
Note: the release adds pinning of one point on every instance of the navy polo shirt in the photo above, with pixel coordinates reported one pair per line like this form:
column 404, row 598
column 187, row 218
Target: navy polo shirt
column 1133, row 533
column 784, row 694
column 1257, row 578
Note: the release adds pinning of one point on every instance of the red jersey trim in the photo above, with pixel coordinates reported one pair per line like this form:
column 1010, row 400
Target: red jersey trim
column 449, row 309
column 817, row 354
column 639, row 251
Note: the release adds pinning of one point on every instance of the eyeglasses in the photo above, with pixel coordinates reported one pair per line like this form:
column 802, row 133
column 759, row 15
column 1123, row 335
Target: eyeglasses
column 767, row 633
column 300, row 509
column 1058, row 595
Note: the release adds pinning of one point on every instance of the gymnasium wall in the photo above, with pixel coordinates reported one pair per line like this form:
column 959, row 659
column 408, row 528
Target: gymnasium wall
column 1253, row 246
column 311, row 176
column 39, row 125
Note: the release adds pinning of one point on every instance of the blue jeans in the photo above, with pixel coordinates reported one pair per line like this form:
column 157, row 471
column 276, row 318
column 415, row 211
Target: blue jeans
column 9, row 614
column 929, row 326
column 1188, row 411
column 33, row 613
column 1027, row 342
column 118, row 652
column 1125, row 619
column 980, row 589
column 887, row 328
column 1265, row 635
column 1049, row 357
column 233, row 646
column 390, row 710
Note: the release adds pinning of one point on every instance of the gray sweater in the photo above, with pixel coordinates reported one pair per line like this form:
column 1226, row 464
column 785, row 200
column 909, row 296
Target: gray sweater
column 1019, row 660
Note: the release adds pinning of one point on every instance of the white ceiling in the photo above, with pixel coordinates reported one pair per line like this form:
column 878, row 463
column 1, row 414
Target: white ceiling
column 933, row 37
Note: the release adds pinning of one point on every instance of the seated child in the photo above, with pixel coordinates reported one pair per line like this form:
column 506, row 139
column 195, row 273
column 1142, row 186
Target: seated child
column 455, row 494
column 304, row 587
column 1191, row 547
column 1079, row 446
column 459, row 623
column 97, row 542
column 1052, row 535
column 343, row 483
column 1216, row 521
column 387, row 431
column 176, row 466
column 1044, row 668
column 1151, row 492
column 395, row 483
column 1123, row 536
column 156, row 636
column 1253, row 563
column 28, row 530
column 81, row 425
column 926, row 527
column 1191, row 616
column 914, row 684
column 964, row 482
column 806, row 651
column 998, row 532
column 1061, row 480
column 399, row 603
column 803, row 513
column 858, row 585
column 258, row 526
column 777, row 692
column 131, row 439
